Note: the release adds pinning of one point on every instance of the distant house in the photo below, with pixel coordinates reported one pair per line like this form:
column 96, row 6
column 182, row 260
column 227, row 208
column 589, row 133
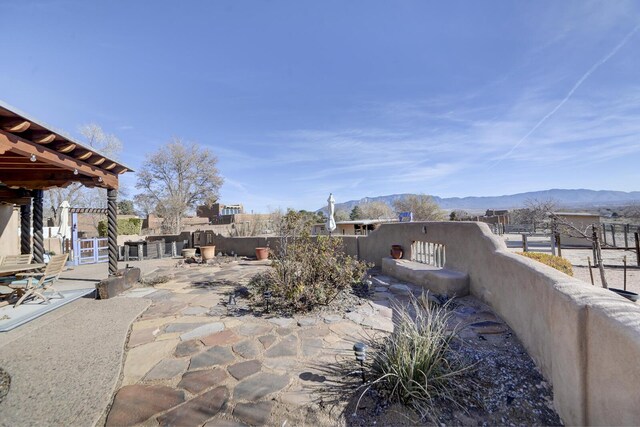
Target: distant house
column 218, row 213
column 361, row 227
column 569, row 222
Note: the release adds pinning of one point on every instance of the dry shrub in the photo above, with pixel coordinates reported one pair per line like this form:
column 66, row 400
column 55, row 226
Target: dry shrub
column 308, row 272
column 556, row 262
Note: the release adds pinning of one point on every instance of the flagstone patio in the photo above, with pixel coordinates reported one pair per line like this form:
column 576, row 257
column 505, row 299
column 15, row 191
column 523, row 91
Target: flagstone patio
column 193, row 359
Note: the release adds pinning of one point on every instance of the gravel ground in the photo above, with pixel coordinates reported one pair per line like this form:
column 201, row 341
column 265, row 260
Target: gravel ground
column 504, row 387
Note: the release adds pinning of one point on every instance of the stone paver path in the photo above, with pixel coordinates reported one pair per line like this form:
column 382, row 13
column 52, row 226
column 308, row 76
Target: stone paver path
column 191, row 361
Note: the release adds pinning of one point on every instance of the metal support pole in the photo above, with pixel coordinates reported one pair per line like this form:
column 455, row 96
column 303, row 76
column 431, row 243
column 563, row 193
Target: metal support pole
column 38, row 240
column 25, row 229
column 112, row 230
column 637, row 237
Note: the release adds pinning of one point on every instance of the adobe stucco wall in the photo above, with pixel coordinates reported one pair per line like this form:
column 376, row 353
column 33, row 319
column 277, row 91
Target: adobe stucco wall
column 9, row 237
column 585, row 340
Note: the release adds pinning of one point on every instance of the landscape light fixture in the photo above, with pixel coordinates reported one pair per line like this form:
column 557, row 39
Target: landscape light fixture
column 33, row 158
column 99, row 179
column 75, row 171
column 360, row 351
column 267, row 298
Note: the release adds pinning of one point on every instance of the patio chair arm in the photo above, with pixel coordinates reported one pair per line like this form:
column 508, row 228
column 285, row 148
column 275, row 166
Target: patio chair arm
column 28, row 274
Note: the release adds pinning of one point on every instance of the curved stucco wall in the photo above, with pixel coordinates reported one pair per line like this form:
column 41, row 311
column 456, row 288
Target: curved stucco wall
column 585, row 340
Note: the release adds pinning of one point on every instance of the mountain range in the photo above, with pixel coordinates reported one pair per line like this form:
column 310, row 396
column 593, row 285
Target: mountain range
column 580, row 198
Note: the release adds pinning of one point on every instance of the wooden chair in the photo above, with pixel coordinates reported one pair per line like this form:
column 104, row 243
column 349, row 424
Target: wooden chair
column 36, row 284
column 16, row 259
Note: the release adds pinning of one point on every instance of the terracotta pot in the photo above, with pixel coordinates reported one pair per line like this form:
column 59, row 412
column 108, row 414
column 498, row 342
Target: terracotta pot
column 262, row 253
column 188, row 253
column 396, row 251
column 207, row 252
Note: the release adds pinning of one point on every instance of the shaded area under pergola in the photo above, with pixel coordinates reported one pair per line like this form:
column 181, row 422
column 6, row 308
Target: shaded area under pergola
column 34, row 158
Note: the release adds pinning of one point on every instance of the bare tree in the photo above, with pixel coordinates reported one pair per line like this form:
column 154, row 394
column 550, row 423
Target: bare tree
column 537, row 211
column 423, row 207
column 77, row 194
column 179, row 176
column 341, row 215
column 375, row 210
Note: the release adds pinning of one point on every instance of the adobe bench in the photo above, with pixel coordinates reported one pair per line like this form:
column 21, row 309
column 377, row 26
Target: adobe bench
column 437, row 280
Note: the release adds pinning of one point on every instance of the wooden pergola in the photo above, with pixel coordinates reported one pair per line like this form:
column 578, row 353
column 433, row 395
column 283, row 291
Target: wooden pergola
column 34, row 158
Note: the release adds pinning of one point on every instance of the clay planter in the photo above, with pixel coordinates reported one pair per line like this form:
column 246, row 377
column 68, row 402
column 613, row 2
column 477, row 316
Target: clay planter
column 207, row 252
column 262, row 253
column 189, row 253
column 396, row 251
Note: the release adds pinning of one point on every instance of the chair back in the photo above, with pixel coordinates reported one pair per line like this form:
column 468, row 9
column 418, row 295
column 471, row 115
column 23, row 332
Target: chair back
column 54, row 267
column 17, row 259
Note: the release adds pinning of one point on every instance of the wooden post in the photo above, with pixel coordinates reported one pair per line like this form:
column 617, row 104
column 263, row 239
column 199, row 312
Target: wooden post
column 626, row 236
column 553, row 243
column 558, row 244
column 590, row 271
column 613, row 235
column 596, row 242
column 525, row 246
column 604, row 234
column 25, row 229
column 38, row 240
column 112, row 231
column 624, row 261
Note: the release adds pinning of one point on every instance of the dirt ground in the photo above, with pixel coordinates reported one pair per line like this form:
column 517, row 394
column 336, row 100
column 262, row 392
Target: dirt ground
column 613, row 261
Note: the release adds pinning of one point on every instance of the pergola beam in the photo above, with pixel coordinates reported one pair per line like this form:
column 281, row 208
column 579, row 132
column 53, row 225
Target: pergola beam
column 15, row 144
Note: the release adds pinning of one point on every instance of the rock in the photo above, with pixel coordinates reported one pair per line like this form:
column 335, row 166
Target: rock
column 194, row 311
column 242, row 370
column 254, row 413
column 282, row 322
column 488, row 327
column 311, row 346
column 400, row 289
column 166, row 369
column 198, row 410
column 259, row 386
column 141, row 336
column 203, row 331
column 212, row 357
column 247, row 349
column 187, row 348
column 251, row 329
column 285, row 364
column 182, row 327
column 332, row 318
column 307, row 321
column 220, row 338
column 267, row 340
column 286, row 347
column 134, row 404
column 355, row 317
column 197, row 381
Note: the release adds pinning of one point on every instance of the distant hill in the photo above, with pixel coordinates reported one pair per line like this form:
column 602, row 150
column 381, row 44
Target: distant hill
column 581, row 198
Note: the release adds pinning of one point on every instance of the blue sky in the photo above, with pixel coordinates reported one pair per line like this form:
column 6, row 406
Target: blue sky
column 360, row 98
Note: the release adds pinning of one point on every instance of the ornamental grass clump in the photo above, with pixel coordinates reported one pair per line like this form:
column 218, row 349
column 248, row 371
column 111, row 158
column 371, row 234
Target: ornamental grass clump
column 553, row 261
column 415, row 365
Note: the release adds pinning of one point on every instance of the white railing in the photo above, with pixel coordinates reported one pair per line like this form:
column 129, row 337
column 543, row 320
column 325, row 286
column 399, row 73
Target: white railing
column 428, row 253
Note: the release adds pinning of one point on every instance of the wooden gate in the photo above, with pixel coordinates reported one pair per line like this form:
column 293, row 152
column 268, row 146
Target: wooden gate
column 91, row 251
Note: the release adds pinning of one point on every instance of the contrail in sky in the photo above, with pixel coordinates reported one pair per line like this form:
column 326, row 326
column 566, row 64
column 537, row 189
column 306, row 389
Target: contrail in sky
column 573, row 89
